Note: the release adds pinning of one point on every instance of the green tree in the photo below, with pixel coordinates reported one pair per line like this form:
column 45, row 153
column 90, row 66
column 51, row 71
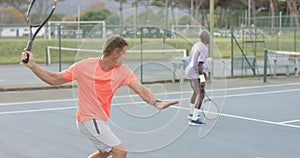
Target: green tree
column 96, row 12
column 96, row 15
column 56, row 17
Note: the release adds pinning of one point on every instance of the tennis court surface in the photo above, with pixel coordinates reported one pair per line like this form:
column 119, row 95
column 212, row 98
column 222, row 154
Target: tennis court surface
column 257, row 121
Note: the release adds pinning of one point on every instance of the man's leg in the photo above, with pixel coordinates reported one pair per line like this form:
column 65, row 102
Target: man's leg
column 99, row 154
column 116, row 152
column 192, row 104
column 119, row 151
column 194, row 95
column 100, row 134
column 200, row 96
column 199, row 88
column 193, row 84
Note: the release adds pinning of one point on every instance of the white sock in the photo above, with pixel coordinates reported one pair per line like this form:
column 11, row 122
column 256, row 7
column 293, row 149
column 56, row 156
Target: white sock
column 192, row 106
column 196, row 113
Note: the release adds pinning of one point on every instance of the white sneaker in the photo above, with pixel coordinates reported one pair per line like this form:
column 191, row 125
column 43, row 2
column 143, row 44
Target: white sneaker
column 190, row 116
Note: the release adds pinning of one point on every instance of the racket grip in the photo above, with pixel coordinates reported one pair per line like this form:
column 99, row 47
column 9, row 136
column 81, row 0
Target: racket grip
column 27, row 59
column 28, row 48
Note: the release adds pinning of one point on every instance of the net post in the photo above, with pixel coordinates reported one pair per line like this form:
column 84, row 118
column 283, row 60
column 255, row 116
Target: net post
column 265, row 64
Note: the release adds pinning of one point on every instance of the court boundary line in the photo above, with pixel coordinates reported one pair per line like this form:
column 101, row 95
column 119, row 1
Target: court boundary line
column 37, row 110
column 284, row 123
column 121, row 96
column 176, row 107
column 290, row 121
column 250, row 119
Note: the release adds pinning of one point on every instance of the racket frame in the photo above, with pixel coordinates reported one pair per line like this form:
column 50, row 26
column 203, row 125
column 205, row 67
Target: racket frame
column 39, row 26
column 203, row 104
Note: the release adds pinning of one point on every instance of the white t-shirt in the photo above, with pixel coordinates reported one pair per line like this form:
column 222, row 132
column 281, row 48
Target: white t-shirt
column 198, row 53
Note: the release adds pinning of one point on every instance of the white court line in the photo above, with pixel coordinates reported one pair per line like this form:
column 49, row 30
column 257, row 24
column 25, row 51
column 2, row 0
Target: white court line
column 226, row 96
column 227, row 115
column 177, row 107
column 226, row 89
column 260, row 93
column 215, row 90
column 250, row 119
column 259, row 120
column 291, row 121
column 267, row 86
column 37, row 110
column 221, row 114
column 40, row 101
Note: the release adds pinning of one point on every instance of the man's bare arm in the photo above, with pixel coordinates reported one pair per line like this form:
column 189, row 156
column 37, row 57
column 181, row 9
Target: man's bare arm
column 45, row 75
column 148, row 96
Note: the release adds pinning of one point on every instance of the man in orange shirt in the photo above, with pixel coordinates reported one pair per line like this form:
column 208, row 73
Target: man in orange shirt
column 98, row 79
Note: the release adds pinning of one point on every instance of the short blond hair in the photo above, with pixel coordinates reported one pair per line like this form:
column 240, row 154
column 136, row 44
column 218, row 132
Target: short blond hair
column 114, row 43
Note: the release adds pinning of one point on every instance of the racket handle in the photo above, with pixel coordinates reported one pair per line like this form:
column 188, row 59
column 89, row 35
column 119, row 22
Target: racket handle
column 27, row 59
column 28, row 48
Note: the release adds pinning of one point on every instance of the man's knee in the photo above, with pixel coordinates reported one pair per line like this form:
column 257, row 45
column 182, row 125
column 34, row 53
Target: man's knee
column 119, row 151
column 99, row 154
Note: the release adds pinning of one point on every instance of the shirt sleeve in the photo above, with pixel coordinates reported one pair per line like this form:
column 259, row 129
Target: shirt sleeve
column 127, row 75
column 132, row 78
column 203, row 53
column 122, row 76
column 68, row 74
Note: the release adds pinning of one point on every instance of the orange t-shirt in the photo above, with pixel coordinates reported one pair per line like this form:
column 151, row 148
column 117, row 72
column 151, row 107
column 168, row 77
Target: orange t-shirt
column 96, row 87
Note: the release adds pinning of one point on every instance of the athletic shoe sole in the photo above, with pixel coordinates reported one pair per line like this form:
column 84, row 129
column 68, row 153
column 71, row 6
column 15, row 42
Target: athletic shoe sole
column 196, row 123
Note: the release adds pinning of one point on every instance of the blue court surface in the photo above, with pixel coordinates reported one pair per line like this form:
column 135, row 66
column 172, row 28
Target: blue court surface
column 255, row 122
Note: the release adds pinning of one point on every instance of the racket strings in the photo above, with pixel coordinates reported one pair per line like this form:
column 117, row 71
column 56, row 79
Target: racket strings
column 39, row 11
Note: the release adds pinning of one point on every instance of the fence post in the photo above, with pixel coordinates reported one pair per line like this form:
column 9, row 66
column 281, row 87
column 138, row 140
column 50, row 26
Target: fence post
column 232, row 54
column 47, row 60
column 265, row 64
column 59, row 45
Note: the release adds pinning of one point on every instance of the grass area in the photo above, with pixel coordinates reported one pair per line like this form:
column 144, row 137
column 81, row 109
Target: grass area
column 10, row 49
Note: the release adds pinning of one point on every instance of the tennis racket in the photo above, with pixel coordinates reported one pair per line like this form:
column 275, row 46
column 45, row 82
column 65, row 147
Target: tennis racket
column 38, row 13
column 210, row 109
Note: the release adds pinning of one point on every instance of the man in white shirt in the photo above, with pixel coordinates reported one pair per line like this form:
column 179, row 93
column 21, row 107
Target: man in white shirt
column 195, row 72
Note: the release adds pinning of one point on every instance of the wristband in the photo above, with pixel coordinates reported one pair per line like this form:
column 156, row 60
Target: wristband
column 202, row 78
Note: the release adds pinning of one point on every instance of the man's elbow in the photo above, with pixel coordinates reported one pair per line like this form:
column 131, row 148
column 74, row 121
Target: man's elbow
column 53, row 83
column 55, row 80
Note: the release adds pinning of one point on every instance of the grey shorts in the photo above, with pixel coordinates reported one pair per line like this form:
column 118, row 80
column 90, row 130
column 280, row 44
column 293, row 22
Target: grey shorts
column 99, row 133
